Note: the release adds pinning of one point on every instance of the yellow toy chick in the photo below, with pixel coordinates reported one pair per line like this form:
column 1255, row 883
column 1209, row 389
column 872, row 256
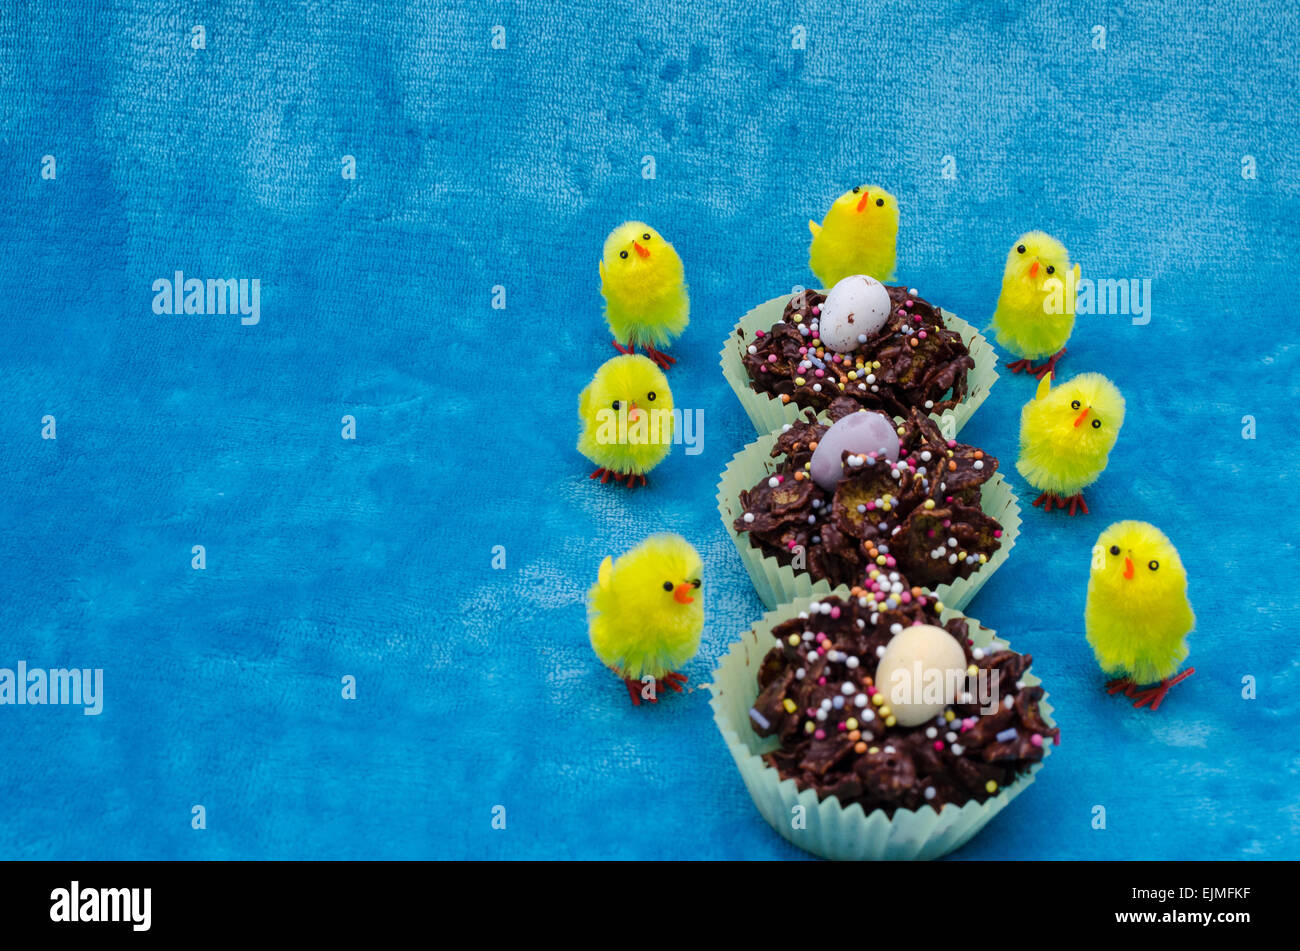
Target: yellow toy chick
column 858, row 236
column 1066, row 435
column 645, row 614
column 626, row 415
column 1035, row 312
column 644, row 286
column 1137, row 616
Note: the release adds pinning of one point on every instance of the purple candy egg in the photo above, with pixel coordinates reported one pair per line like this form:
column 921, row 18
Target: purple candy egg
column 858, row 433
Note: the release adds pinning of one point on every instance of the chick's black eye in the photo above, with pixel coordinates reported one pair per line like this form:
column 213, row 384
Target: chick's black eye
column 1114, row 549
column 668, row 586
column 856, row 189
column 622, row 254
column 615, row 405
column 1096, row 424
column 1153, row 564
column 1074, row 405
column 695, row 583
column 650, row 396
column 880, row 202
column 1021, row 249
column 1051, row 269
column 646, row 236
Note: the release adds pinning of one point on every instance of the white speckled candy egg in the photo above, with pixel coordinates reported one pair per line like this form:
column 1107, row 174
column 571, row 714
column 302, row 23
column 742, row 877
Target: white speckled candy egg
column 916, row 673
column 859, row 433
column 856, row 306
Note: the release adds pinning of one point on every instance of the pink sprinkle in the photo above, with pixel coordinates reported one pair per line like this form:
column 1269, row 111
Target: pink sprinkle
column 820, row 734
column 821, row 372
column 803, row 349
column 967, row 724
column 930, row 533
column 997, row 533
column 1058, row 739
column 871, row 691
column 1036, row 739
column 905, row 597
column 947, row 499
column 889, row 561
column 921, row 600
column 821, row 681
column 900, row 312
column 952, row 444
column 908, row 302
column 947, row 522
column 921, row 335
column 817, row 308
column 771, row 358
column 812, row 712
column 938, row 744
column 835, row 612
column 780, row 479
column 841, row 727
column 758, row 333
column 870, row 506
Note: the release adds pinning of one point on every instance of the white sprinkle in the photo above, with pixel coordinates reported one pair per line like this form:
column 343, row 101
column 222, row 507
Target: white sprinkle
column 895, row 628
column 817, row 387
column 860, row 700
column 852, row 662
column 952, row 559
column 821, row 714
column 925, row 456
column 929, row 404
column 753, row 349
column 848, row 690
column 977, row 653
column 880, row 651
column 800, row 674
column 826, row 704
column 929, row 792
column 931, row 732
column 862, row 338
column 838, row 703
column 957, row 749
column 979, row 464
column 950, row 737
column 1008, row 701
column 749, row 517
column 773, row 482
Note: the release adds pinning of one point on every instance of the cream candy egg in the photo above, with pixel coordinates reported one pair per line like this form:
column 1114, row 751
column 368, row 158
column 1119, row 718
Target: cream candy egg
column 920, row 673
column 856, row 307
column 861, row 433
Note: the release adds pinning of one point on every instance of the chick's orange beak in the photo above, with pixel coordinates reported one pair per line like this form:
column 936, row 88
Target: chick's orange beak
column 1033, row 269
column 1128, row 567
column 1082, row 416
column 682, row 594
column 633, row 412
column 862, row 202
column 644, row 252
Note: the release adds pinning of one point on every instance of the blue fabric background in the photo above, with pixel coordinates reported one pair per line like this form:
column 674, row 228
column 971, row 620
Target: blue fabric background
column 479, row 167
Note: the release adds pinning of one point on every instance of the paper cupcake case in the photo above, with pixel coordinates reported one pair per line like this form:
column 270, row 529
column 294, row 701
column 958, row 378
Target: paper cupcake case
column 829, row 829
column 777, row 583
column 768, row 413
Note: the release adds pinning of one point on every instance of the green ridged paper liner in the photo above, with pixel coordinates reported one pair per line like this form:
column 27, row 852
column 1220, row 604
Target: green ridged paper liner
column 777, row 583
column 830, row 830
column 768, row 413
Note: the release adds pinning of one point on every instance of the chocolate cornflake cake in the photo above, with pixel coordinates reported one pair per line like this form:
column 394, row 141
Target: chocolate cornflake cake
column 920, row 515
column 816, row 694
column 914, row 360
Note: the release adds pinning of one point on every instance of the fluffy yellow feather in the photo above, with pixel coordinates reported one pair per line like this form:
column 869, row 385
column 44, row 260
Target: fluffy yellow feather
column 859, row 235
column 1066, row 435
column 626, row 419
column 1137, row 616
column 645, row 613
column 1035, row 313
column 644, row 285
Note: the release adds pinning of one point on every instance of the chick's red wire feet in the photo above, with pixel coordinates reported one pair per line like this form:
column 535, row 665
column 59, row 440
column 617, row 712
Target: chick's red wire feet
column 1156, row 695
column 604, row 475
column 634, row 692
column 1020, row 366
column 671, row 681
column 1043, row 369
column 1122, row 683
column 662, row 360
column 634, row 480
column 629, row 349
column 1075, row 503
